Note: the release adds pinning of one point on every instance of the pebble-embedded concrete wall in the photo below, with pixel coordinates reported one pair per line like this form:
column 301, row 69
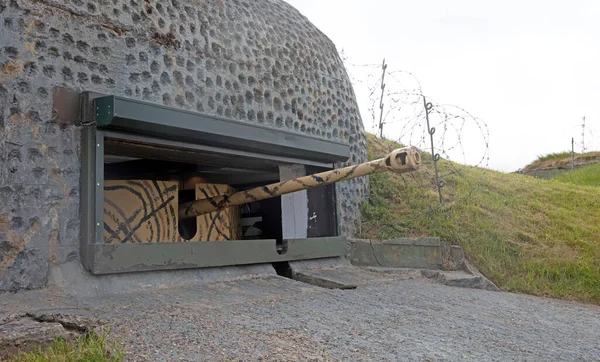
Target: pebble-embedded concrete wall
column 257, row 61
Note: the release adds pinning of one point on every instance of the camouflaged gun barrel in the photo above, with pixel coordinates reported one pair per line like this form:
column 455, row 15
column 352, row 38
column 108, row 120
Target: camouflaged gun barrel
column 401, row 160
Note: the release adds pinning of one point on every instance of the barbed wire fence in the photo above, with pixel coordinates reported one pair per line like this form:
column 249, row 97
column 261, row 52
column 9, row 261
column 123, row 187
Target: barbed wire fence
column 583, row 146
column 588, row 140
column 399, row 110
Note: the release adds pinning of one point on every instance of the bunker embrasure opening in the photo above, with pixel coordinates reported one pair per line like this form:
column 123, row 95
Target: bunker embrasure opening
column 165, row 188
column 143, row 191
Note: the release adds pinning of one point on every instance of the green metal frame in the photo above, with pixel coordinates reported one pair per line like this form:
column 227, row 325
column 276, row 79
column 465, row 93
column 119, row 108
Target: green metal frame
column 118, row 118
column 123, row 258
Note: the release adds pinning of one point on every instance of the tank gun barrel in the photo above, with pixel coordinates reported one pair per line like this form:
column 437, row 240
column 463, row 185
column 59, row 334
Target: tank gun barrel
column 401, row 160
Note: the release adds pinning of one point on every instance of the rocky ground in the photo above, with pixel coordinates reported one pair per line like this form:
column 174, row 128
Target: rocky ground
column 383, row 319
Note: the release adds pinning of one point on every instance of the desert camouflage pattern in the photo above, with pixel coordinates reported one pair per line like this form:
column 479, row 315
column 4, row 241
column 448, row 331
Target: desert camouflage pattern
column 402, row 160
column 145, row 211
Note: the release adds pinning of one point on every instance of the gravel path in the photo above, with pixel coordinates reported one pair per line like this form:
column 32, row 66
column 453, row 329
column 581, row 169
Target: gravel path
column 273, row 318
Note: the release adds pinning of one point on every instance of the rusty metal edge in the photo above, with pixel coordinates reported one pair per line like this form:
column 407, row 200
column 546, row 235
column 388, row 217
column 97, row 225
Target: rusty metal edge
column 66, row 106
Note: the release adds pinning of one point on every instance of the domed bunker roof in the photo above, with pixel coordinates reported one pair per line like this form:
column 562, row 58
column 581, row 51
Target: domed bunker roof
column 257, row 61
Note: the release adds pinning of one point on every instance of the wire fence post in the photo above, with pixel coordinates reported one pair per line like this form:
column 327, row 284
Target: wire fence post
column 383, row 67
column 435, row 156
column 583, row 136
column 572, row 153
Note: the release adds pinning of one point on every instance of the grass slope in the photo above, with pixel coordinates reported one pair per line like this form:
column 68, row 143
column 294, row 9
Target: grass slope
column 561, row 159
column 527, row 235
column 584, row 176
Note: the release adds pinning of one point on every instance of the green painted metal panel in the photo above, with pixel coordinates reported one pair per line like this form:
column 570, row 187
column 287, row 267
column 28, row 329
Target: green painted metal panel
column 87, row 190
column 123, row 258
column 182, row 125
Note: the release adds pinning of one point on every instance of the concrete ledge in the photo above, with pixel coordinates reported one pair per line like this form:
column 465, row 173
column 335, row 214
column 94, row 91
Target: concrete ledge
column 397, row 253
column 72, row 279
column 435, row 242
column 422, row 257
column 450, row 278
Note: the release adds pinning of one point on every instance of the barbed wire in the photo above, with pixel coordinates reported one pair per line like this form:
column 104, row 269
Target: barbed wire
column 588, row 142
column 461, row 139
column 405, row 113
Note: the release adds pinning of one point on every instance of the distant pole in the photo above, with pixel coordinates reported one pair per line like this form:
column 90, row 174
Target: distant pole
column 583, row 136
column 572, row 153
column 383, row 67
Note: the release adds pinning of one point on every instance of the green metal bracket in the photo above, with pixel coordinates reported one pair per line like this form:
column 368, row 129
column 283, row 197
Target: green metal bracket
column 105, row 110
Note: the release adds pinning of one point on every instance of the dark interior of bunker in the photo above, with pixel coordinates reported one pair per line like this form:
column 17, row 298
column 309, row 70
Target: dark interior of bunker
column 261, row 219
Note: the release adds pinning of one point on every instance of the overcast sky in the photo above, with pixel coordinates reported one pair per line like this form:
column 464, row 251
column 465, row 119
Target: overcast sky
column 529, row 68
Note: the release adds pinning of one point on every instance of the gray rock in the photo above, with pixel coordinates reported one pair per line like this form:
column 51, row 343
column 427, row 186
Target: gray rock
column 23, row 333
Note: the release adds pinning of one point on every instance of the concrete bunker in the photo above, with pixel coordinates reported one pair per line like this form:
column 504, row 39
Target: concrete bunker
column 258, row 66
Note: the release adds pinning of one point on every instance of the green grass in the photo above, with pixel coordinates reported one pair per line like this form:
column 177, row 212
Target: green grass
column 526, row 234
column 560, row 159
column 545, row 159
column 584, row 176
column 88, row 348
column 554, row 156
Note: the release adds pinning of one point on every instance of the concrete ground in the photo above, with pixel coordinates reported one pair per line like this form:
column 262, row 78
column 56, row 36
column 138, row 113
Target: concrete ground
column 386, row 318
